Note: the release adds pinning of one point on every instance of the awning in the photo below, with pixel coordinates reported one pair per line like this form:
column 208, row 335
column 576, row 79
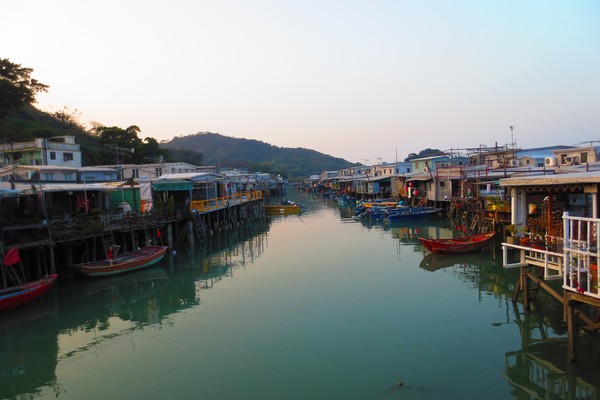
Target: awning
column 419, row 177
column 183, row 185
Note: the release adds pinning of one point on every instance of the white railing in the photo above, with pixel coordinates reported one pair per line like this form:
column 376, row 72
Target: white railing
column 581, row 254
column 576, row 263
column 550, row 261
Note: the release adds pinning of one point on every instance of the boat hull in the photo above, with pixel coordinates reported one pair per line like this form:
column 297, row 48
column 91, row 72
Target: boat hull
column 23, row 294
column 457, row 245
column 411, row 215
column 127, row 262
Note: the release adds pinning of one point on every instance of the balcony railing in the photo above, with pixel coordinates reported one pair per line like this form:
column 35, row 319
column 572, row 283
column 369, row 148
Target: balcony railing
column 576, row 263
column 202, row 206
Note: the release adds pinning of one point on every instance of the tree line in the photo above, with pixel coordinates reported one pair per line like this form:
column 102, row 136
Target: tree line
column 103, row 145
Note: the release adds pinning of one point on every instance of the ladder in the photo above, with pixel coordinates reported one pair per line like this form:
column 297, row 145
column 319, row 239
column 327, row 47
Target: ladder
column 232, row 216
column 199, row 225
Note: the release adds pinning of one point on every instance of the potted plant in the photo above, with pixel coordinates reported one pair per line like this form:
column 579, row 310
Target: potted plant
column 537, row 241
column 511, row 231
column 525, row 239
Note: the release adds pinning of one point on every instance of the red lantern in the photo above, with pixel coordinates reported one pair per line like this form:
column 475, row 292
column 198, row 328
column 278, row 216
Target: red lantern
column 416, row 192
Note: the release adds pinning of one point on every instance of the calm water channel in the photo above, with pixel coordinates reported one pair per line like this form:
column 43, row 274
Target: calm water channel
column 312, row 307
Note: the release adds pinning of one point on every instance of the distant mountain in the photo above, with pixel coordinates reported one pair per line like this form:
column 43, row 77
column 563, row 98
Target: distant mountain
column 205, row 148
column 219, row 150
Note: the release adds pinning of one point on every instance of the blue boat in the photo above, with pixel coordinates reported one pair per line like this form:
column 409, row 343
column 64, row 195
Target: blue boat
column 411, row 213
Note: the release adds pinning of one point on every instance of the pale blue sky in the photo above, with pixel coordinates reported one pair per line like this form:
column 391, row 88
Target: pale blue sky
column 355, row 79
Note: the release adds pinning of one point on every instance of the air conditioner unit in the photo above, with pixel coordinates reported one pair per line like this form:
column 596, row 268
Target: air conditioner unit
column 514, row 163
column 549, row 161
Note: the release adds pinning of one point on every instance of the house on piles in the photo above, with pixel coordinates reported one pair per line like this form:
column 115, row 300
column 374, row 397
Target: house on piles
column 557, row 221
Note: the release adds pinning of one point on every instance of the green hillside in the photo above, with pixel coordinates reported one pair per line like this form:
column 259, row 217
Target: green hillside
column 20, row 121
column 29, row 123
column 219, row 150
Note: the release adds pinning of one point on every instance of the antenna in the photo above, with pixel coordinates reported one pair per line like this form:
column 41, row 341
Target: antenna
column 512, row 137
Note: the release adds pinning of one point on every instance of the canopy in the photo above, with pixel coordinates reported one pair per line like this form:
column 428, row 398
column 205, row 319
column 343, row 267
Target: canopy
column 172, row 185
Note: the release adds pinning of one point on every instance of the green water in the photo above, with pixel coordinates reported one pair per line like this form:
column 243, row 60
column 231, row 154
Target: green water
column 312, row 307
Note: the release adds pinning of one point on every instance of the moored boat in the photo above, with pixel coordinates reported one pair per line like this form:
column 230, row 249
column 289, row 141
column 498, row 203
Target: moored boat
column 285, row 208
column 125, row 262
column 378, row 203
column 22, row 294
column 411, row 213
column 458, row 245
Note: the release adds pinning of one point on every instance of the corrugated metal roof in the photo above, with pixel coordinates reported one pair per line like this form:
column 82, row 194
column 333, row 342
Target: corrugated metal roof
column 559, row 179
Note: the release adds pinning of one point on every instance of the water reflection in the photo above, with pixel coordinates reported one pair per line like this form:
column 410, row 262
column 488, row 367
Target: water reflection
column 80, row 315
column 540, row 368
column 432, row 262
column 28, row 349
column 80, row 321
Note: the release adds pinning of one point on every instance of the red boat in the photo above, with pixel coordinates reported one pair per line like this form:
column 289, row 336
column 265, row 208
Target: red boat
column 458, row 245
column 126, row 262
column 22, row 294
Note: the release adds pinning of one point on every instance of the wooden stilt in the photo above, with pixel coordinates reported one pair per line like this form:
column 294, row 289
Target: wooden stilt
column 525, row 288
column 517, row 290
column 572, row 329
column 170, row 236
column 190, row 231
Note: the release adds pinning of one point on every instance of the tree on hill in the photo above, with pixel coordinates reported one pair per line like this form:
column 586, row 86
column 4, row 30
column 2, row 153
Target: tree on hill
column 124, row 146
column 17, row 87
column 424, row 153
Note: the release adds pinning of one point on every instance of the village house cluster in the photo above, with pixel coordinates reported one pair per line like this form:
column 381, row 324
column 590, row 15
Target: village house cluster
column 57, row 213
column 453, row 174
column 54, row 166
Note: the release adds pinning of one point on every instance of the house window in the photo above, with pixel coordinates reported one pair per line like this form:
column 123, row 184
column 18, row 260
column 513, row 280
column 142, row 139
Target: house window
column 53, row 155
column 158, row 171
column 17, row 156
column 584, row 157
column 49, row 176
column 67, row 156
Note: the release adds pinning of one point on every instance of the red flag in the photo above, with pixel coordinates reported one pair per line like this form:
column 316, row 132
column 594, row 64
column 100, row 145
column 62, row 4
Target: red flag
column 12, row 256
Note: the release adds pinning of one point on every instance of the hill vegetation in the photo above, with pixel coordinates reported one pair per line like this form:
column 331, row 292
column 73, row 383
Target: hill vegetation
column 20, row 121
column 220, row 150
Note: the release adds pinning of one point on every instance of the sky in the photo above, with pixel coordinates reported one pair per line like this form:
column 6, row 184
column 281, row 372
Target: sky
column 367, row 81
